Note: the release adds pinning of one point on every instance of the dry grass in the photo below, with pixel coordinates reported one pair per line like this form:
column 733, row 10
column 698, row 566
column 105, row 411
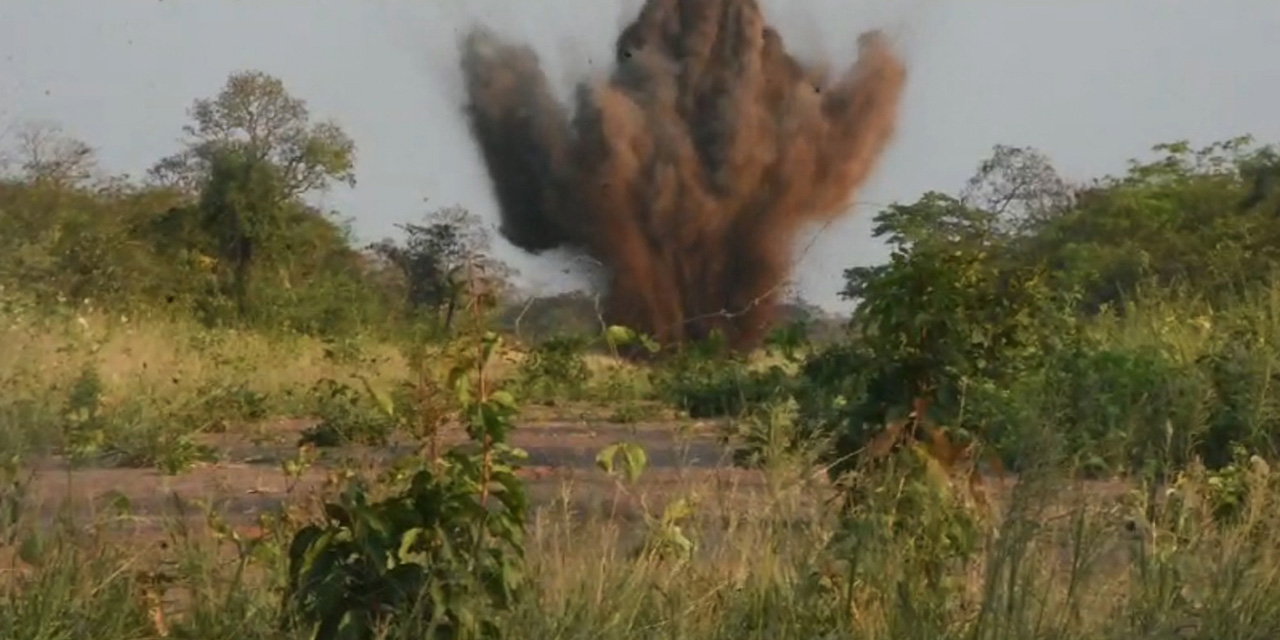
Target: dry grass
column 1054, row 558
column 160, row 355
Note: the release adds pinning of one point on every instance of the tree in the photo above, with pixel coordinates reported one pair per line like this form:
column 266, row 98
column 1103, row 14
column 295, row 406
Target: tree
column 445, row 261
column 252, row 153
column 1202, row 218
column 255, row 115
column 48, row 156
column 948, row 306
column 1019, row 187
column 240, row 211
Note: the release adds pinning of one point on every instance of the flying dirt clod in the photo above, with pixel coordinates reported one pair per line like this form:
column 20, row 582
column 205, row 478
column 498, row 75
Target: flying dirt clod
column 688, row 172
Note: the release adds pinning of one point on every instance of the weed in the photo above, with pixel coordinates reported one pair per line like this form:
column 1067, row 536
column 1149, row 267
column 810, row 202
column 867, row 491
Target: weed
column 435, row 559
column 554, row 369
column 346, row 415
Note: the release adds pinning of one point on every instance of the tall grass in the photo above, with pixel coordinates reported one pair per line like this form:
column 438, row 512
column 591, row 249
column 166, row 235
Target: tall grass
column 1053, row 559
column 902, row 551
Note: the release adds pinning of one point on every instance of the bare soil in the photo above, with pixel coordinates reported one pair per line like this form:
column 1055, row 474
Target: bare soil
column 248, row 479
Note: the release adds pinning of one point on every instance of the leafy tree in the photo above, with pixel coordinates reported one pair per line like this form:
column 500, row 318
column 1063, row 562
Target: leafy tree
column 1201, row 217
column 240, row 211
column 441, row 260
column 947, row 309
column 255, row 115
column 251, row 156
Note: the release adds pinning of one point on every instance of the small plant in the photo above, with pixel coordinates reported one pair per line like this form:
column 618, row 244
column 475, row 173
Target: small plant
column 705, row 384
column 1228, row 488
column 14, row 488
column 554, row 369
column 343, row 350
column 347, row 415
column 222, row 405
column 440, row 558
column 909, row 520
column 625, row 460
column 770, row 437
column 137, row 433
column 137, row 441
column 665, row 536
column 84, row 431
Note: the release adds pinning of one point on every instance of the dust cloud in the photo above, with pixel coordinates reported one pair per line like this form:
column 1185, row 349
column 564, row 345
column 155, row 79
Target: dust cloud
column 688, row 172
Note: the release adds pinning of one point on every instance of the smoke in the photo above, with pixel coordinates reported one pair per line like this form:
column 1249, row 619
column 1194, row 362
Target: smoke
column 689, row 171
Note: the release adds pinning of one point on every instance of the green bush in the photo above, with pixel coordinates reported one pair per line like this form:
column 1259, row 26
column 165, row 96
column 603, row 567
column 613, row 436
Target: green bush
column 554, row 369
column 346, row 415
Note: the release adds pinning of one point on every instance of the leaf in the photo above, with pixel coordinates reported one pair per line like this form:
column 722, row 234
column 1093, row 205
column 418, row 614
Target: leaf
column 637, row 460
column 410, row 538
column 604, row 459
column 384, row 401
column 678, row 511
column 31, row 550
column 634, row 460
column 619, row 336
column 504, row 399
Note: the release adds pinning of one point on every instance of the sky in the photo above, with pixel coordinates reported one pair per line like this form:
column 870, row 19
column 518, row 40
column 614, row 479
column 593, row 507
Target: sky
column 1091, row 83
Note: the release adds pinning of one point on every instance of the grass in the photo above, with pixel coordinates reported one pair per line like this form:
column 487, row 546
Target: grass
column 914, row 556
column 1054, row 561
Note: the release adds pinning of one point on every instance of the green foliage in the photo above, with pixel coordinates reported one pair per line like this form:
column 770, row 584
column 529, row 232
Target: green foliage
column 1228, row 488
column 665, row 536
column 433, row 560
column 14, row 489
column 945, row 311
column 440, row 558
column 989, row 316
column 135, row 434
column 634, row 460
column 223, row 233
column 554, row 369
column 85, row 425
column 705, row 384
column 1193, row 216
column 909, row 506
column 255, row 116
column 770, row 436
column 347, row 415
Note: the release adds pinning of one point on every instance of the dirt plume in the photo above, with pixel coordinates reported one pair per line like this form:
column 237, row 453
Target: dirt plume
column 688, row 172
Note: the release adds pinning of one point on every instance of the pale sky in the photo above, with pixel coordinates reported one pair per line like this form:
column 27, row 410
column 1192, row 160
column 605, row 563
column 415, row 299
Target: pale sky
column 1091, row 83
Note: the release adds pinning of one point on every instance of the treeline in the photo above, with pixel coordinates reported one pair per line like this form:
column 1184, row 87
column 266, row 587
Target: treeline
column 1205, row 220
column 1135, row 314
column 224, row 231
column 1131, row 323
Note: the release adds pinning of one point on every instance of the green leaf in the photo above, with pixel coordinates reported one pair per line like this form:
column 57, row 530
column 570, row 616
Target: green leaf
column 406, row 551
column 31, row 549
column 634, row 460
column 384, row 401
column 619, row 336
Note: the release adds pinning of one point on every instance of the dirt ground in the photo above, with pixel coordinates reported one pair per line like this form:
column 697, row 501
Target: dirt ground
column 248, row 478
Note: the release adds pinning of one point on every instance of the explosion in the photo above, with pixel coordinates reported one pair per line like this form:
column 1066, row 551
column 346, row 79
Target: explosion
column 689, row 171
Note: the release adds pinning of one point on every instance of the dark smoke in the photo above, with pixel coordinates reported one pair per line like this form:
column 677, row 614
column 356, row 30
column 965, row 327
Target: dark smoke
column 689, row 172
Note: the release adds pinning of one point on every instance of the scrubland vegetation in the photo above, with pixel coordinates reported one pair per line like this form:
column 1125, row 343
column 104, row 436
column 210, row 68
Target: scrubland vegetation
column 1053, row 415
